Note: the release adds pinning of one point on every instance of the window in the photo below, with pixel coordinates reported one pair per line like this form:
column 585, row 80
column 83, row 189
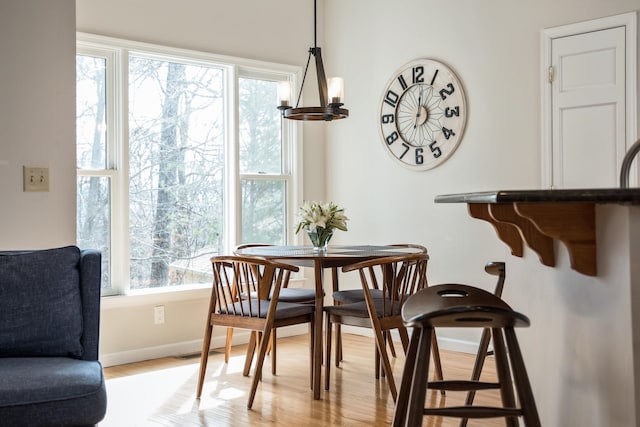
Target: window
column 181, row 155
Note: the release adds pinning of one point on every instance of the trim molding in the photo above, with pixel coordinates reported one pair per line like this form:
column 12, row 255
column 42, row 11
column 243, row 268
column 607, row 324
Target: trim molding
column 627, row 20
column 185, row 347
column 242, row 337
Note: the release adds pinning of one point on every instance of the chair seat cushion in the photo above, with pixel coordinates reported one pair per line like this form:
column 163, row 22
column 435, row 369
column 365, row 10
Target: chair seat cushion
column 51, row 391
column 37, row 320
column 31, row 380
column 297, row 295
column 284, row 310
column 354, row 295
column 301, row 295
column 359, row 309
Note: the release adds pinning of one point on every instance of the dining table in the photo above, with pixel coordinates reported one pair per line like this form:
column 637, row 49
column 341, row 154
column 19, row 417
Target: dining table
column 321, row 259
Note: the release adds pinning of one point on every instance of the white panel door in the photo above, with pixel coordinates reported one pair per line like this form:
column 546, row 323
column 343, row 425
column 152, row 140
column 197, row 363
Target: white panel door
column 590, row 125
column 588, row 93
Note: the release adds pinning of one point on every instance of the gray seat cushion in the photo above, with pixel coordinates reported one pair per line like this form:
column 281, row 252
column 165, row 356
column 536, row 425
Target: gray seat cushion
column 354, row 295
column 300, row 295
column 359, row 309
column 47, row 391
column 284, row 310
column 58, row 378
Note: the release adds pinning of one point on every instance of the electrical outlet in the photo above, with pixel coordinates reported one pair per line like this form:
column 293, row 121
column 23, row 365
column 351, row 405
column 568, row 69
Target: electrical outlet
column 35, row 178
column 158, row 314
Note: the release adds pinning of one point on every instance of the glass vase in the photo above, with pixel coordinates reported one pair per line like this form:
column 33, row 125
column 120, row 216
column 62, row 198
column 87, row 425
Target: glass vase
column 320, row 238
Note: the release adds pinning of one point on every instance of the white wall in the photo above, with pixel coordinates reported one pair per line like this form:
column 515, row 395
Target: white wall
column 579, row 348
column 492, row 44
column 37, row 122
column 494, row 47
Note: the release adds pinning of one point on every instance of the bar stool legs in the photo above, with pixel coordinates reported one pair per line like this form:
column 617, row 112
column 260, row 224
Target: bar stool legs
column 504, row 376
column 523, row 386
column 454, row 305
column 496, row 268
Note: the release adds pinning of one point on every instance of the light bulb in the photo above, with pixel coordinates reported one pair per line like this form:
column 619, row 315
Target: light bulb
column 284, row 93
column 336, row 90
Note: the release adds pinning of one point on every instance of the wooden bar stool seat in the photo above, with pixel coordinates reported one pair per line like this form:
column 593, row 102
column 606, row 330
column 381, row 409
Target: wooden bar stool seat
column 455, row 305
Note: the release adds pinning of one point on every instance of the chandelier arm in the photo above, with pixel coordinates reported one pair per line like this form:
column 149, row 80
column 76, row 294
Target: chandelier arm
column 322, row 78
column 304, row 77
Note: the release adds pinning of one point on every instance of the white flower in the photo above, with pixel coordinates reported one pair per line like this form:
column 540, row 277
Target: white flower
column 328, row 216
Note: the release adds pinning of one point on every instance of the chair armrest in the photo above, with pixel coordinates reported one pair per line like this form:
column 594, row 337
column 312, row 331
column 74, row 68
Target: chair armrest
column 90, row 280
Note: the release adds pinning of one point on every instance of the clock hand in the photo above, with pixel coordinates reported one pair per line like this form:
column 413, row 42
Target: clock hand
column 415, row 123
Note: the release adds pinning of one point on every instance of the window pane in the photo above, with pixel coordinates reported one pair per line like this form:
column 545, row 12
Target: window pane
column 176, row 169
column 260, row 127
column 94, row 221
column 263, row 211
column 90, row 112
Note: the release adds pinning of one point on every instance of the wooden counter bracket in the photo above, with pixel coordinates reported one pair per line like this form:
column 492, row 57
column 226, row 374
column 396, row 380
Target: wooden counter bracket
column 508, row 233
column 540, row 243
column 573, row 223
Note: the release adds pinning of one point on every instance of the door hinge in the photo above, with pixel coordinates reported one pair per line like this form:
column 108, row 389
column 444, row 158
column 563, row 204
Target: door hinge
column 550, row 74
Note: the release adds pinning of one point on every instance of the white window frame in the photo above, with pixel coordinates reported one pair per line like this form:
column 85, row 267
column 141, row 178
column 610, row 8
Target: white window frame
column 116, row 52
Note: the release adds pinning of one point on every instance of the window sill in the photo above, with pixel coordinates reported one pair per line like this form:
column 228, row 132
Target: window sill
column 156, row 296
column 165, row 295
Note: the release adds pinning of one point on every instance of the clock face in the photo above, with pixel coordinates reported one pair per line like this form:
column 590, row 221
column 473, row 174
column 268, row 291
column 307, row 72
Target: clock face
column 423, row 112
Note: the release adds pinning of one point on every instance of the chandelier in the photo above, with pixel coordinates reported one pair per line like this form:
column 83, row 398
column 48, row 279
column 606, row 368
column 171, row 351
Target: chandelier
column 331, row 91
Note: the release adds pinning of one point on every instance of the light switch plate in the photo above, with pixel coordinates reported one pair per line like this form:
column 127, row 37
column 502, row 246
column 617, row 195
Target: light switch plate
column 35, row 178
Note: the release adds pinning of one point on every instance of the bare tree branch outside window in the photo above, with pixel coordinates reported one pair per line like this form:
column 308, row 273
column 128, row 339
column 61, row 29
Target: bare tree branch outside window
column 176, row 166
column 154, row 174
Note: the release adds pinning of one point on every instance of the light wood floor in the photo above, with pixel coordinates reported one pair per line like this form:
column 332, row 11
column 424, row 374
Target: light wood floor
column 162, row 392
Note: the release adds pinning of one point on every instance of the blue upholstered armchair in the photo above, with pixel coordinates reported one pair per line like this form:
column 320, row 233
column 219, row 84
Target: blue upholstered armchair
column 49, row 324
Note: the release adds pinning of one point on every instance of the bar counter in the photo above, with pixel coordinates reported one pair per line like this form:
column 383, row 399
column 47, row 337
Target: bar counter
column 536, row 217
column 583, row 347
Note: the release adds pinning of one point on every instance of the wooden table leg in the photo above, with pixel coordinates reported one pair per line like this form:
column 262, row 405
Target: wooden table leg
column 317, row 360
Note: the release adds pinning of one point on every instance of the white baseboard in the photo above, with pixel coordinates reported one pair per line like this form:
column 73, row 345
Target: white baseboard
column 186, row 347
column 444, row 343
column 242, row 337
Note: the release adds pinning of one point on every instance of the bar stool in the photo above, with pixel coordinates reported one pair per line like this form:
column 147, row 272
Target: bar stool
column 455, row 305
column 496, row 268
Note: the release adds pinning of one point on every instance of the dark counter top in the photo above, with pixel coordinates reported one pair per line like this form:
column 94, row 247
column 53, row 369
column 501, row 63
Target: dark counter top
column 596, row 195
column 537, row 217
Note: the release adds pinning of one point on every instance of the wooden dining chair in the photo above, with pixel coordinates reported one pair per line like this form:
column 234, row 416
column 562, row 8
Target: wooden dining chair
column 357, row 295
column 260, row 281
column 393, row 279
column 287, row 294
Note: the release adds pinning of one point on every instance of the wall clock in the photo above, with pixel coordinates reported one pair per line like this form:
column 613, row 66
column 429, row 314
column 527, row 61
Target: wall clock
column 423, row 113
